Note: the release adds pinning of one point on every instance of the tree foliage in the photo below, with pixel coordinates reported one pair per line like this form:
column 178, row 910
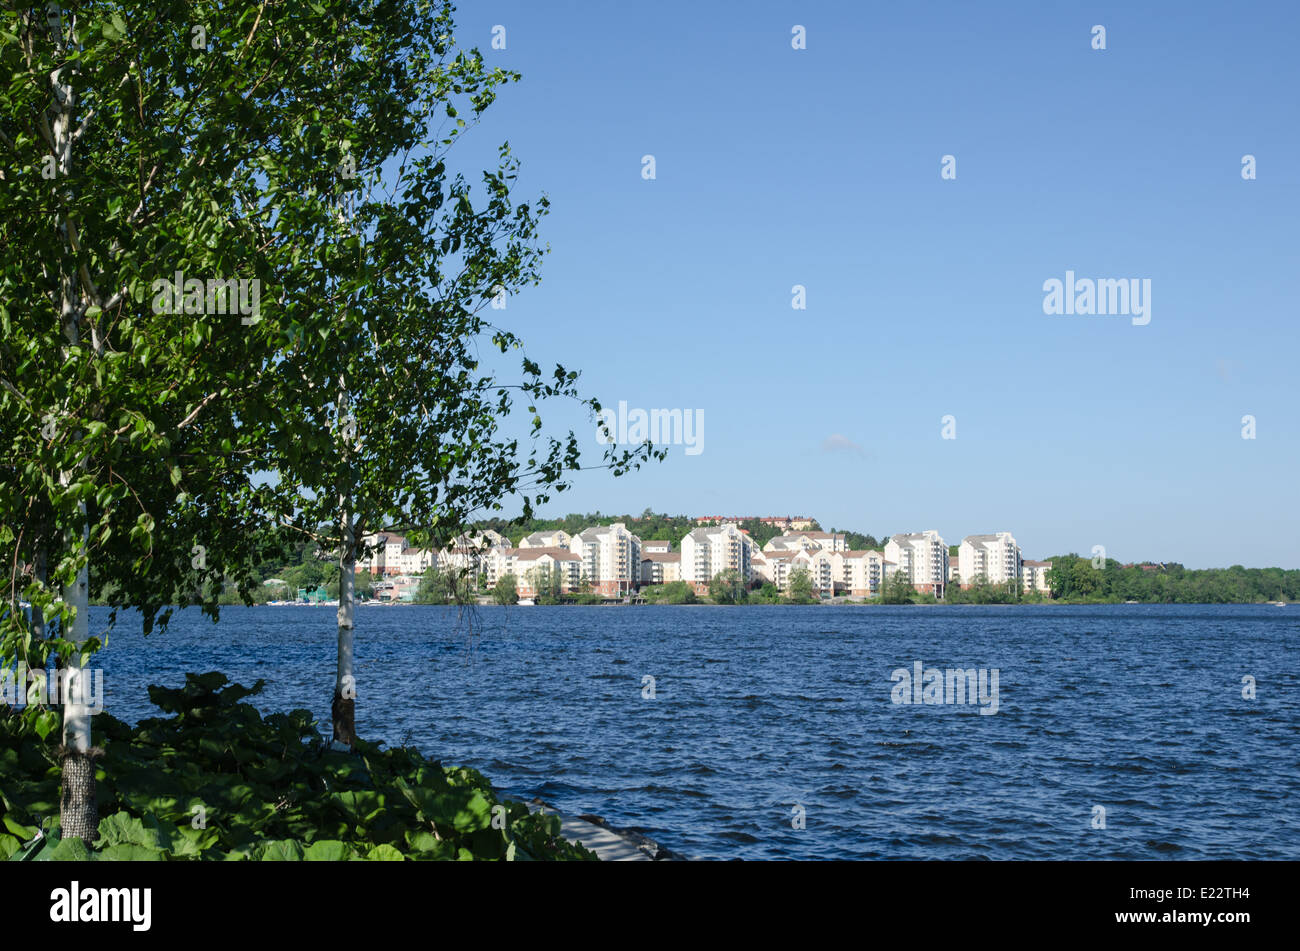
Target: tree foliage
column 444, row 586
column 279, row 793
column 1074, row 578
column 898, row 589
column 727, row 587
column 671, row 592
column 800, row 586
column 506, row 590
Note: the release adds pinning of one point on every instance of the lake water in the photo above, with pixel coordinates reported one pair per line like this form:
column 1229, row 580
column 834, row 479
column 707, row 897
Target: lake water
column 762, row 716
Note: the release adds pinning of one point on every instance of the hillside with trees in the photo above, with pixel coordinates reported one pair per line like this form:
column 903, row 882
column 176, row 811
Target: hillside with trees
column 648, row 526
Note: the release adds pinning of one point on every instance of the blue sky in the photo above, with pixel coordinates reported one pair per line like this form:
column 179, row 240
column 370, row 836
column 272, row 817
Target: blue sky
column 821, row 167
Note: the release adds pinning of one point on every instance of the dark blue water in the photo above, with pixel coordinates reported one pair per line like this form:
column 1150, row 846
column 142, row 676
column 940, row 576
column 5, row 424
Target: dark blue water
column 759, row 710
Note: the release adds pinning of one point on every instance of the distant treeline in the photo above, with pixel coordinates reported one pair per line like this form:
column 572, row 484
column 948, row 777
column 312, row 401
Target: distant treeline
column 1073, row 578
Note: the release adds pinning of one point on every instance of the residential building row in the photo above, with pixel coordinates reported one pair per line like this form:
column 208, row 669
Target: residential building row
column 783, row 522
column 612, row 561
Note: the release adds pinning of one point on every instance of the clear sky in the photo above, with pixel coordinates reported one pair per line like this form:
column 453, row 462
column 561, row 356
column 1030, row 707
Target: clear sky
column 821, row 167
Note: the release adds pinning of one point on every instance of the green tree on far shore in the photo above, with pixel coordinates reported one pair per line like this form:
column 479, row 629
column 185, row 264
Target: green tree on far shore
column 898, row 589
column 506, row 590
column 800, row 586
column 727, row 587
column 672, row 592
column 547, row 582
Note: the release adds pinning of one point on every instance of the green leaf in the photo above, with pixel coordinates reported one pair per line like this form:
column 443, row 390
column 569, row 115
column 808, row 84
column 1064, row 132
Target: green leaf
column 123, row 829
column 384, row 853
column 327, row 850
column 9, row 844
column 23, row 832
column 476, row 814
column 129, row 852
column 423, row 841
column 66, row 850
column 45, row 723
column 283, row 850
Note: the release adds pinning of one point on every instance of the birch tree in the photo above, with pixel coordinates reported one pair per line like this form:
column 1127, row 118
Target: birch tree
column 150, row 154
column 421, row 431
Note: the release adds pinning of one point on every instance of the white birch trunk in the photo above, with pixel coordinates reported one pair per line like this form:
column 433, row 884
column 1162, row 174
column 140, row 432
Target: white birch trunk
column 78, row 811
column 345, row 681
column 78, row 815
column 76, row 714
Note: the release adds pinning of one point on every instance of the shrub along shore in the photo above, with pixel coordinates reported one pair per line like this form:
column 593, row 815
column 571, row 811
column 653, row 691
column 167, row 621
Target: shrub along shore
column 217, row 780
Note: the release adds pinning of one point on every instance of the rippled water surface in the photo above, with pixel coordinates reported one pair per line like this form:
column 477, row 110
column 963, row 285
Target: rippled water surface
column 759, row 710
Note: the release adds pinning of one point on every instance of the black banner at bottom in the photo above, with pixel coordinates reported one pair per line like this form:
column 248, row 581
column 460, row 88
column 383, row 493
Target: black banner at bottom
column 357, row 900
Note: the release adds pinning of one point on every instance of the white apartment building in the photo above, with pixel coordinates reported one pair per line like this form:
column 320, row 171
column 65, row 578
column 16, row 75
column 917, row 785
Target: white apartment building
column 384, row 553
column 553, row 539
column 532, row 568
column 922, row 557
column 660, row 567
column 825, row 569
column 1033, row 576
column 537, row 569
column 611, row 558
column 490, row 539
column 862, row 572
column 829, row 541
column 479, row 541
column 772, row 566
column 492, row 563
column 706, row 552
column 776, row 567
column 807, row 541
column 415, row 561
column 473, row 554
column 790, row 542
column 656, row 547
column 858, row 574
column 387, row 553
column 995, row 558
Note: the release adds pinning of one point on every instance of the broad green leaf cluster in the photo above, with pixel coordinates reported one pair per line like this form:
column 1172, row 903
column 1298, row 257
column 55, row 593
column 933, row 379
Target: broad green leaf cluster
column 214, row 780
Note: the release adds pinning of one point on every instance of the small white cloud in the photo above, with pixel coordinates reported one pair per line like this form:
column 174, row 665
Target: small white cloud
column 838, row 442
